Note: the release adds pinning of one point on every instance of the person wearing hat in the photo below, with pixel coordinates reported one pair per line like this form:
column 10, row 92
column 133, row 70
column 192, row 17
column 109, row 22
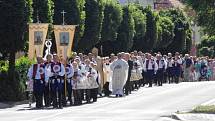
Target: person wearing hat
column 57, row 82
column 38, row 73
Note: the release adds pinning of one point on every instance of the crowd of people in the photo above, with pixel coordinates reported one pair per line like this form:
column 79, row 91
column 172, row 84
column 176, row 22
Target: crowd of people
column 82, row 78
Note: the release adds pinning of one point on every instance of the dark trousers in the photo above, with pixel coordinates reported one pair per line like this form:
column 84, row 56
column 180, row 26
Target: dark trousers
column 176, row 78
column 88, row 96
column 156, row 79
column 170, row 72
column 137, row 84
column 141, row 81
column 47, row 95
column 160, row 77
column 77, row 97
column 82, row 94
column 165, row 77
column 38, row 90
column 64, row 101
column 69, row 93
column 91, row 94
column 57, row 93
column 177, row 74
column 149, row 77
column 128, row 87
column 107, row 92
column 39, row 99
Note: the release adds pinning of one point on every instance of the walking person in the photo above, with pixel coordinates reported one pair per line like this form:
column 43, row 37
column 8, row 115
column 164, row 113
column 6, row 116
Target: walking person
column 150, row 68
column 38, row 73
column 120, row 73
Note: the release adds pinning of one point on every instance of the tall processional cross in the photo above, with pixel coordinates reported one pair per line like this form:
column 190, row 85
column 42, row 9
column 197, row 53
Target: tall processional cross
column 63, row 13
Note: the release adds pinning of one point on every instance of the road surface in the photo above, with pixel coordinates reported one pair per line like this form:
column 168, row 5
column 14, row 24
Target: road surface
column 146, row 104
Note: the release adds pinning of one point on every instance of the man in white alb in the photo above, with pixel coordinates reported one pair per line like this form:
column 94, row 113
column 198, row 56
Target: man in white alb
column 120, row 72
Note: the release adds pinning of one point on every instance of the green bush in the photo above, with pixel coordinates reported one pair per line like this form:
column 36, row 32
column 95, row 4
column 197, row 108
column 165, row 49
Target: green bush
column 10, row 90
column 3, row 66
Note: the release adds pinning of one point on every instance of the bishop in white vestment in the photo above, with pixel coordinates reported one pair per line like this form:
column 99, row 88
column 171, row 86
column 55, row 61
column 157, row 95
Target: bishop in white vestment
column 120, row 72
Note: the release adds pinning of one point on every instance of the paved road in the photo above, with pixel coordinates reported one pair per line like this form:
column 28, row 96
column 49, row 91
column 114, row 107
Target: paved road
column 146, row 104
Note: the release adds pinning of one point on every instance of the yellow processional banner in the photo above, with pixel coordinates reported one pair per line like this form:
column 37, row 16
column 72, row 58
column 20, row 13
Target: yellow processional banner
column 37, row 37
column 64, row 35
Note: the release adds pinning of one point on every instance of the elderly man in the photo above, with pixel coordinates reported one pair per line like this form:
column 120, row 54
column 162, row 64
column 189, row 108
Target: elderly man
column 38, row 73
column 120, row 72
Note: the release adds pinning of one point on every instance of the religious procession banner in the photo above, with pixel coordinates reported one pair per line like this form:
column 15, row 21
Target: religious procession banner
column 37, row 36
column 64, row 35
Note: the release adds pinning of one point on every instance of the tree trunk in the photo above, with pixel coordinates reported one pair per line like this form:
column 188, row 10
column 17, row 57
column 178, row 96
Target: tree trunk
column 11, row 71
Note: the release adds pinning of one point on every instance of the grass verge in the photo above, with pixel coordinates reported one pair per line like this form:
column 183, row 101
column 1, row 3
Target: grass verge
column 210, row 109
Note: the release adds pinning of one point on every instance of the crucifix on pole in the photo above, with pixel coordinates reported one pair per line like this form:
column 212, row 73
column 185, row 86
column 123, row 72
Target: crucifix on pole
column 63, row 13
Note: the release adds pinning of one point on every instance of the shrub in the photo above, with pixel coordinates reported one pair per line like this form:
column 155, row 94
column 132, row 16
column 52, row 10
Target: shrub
column 14, row 91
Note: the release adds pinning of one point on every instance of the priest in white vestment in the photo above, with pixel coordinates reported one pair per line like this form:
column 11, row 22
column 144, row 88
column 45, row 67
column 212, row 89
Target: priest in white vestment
column 119, row 70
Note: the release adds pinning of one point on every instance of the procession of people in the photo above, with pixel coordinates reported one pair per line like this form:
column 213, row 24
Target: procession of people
column 81, row 79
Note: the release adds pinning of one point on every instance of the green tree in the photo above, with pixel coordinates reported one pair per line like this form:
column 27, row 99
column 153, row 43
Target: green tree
column 205, row 10
column 181, row 28
column 75, row 15
column 78, row 19
column 112, row 20
column 140, row 27
column 166, row 32
column 151, row 36
column 13, row 24
column 93, row 24
column 207, row 41
column 205, row 51
column 126, row 30
column 43, row 10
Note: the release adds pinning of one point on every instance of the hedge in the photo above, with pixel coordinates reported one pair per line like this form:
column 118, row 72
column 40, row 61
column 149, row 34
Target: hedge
column 14, row 90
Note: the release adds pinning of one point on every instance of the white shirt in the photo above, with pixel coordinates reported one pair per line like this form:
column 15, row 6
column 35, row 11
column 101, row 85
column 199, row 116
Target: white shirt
column 38, row 74
column 162, row 63
column 170, row 63
column 139, row 66
column 150, row 65
column 178, row 61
